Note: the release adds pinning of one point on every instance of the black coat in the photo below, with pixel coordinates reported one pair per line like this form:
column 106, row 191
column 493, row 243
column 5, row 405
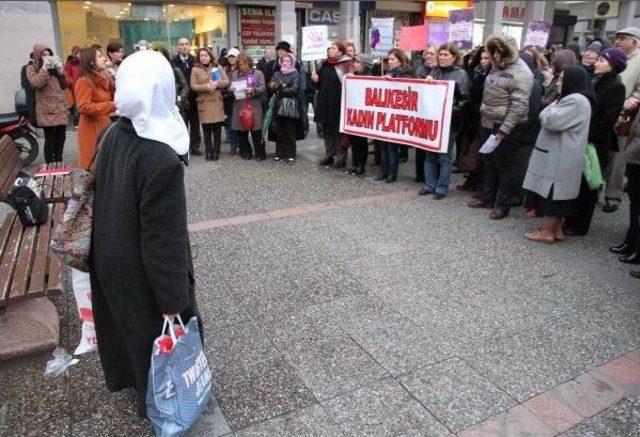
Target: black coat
column 328, row 100
column 30, row 94
column 140, row 254
column 610, row 95
column 186, row 68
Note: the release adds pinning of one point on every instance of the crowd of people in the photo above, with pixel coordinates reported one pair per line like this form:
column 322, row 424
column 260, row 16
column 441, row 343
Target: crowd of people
column 541, row 107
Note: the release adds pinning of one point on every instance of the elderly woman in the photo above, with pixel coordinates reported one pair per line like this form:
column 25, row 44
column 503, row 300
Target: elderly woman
column 253, row 94
column 557, row 161
column 141, row 259
column 285, row 86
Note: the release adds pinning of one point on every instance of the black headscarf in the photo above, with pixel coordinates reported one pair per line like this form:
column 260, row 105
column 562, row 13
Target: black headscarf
column 576, row 80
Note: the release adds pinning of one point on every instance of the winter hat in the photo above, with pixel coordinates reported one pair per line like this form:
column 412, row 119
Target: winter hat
column 284, row 46
column 633, row 31
column 596, row 46
column 233, row 52
column 365, row 59
column 616, row 58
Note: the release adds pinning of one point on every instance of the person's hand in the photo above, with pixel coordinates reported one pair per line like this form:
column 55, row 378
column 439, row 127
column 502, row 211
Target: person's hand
column 231, row 88
column 429, row 77
column 387, row 76
column 499, row 136
column 248, row 91
column 314, row 76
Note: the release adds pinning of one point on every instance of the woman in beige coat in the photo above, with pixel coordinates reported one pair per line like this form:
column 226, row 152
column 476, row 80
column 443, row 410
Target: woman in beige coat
column 49, row 83
column 207, row 81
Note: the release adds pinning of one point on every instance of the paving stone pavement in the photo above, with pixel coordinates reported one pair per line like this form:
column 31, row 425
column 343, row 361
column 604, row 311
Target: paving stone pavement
column 338, row 306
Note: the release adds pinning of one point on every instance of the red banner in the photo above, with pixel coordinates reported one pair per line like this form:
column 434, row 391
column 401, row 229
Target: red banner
column 257, row 26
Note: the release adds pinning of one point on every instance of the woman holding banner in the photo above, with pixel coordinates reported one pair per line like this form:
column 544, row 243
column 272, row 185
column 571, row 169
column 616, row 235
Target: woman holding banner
column 437, row 166
column 327, row 111
column 360, row 145
column 427, row 68
column 398, row 67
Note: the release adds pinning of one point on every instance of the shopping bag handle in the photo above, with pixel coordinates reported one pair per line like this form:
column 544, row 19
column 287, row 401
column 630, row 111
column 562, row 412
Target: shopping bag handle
column 168, row 324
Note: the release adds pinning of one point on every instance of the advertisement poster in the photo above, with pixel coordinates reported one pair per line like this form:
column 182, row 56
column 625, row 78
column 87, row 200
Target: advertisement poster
column 406, row 111
column 461, row 28
column 413, row 38
column 537, row 34
column 381, row 36
column 438, row 33
column 257, row 26
column 315, row 41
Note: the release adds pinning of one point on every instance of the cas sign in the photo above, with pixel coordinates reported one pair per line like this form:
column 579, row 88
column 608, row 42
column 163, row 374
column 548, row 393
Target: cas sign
column 329, row 17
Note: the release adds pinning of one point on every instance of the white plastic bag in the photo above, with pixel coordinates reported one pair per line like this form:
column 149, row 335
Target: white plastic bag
column 82, row 293
column 60, row 363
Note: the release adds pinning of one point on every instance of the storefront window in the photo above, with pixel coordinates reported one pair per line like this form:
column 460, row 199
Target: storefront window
column 87, row 22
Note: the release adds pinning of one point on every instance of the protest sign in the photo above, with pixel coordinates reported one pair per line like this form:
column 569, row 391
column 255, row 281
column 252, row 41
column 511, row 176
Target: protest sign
column 537, row 34
column 258, row 26
column 461, row 28
column 414, row 112
column 437, row 33
column 413, row 38
column 381, row 36
column 315, row 41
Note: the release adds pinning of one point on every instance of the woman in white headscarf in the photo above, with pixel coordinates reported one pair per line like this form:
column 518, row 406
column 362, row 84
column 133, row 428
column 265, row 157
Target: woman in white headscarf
column 141, row 265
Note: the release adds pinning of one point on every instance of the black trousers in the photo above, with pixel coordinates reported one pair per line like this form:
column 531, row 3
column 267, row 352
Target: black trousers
column 286, row 140
column 54, row 137
column 359, row 150
column 192, row 120
column 633, row 191
column 245, row 147
column 420, row 157
column 503, row 171
column 403, row 152
column 581, row 220
column 212, row 131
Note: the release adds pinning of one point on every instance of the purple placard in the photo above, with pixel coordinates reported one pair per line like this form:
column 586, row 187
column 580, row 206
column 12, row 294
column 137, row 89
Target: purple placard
column 460, row 30
column 437, row 32
column 537, row 34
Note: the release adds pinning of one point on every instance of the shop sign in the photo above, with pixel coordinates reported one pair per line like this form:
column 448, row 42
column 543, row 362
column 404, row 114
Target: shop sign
column 328, row 17
column 441, row 9
column 257, row 26
column 513, row 11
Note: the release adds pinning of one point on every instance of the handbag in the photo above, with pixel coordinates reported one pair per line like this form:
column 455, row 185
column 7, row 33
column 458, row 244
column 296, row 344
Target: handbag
column 72, row 237
column 180, row 379
column 592, row 172
column 289, row 108
column 247, row 120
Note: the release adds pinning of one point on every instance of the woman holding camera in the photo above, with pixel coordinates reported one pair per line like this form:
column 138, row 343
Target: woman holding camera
column 46, row 77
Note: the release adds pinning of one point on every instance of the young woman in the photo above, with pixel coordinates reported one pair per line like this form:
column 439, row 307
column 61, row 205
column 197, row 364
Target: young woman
column 49, row 84
column 437, row 166
column 427, row 68
column 207, row 81
column 94, row 93
column 230, row 65
column 254, row 94
column 141, row 259
column 327, row 111
column 360, row 145
column 115, row 54
column 398, row 67
column 285, row 85
column 557, row 161
column 609, row 92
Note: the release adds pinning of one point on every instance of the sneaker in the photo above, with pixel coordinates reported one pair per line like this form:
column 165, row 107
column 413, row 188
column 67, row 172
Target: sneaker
column 610, row 206
column 291, row 160
column 424, row 192
column 439, row 196
column 276, row 159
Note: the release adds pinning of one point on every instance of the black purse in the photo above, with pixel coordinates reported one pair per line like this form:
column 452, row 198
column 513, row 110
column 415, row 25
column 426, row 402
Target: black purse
column 289, row 108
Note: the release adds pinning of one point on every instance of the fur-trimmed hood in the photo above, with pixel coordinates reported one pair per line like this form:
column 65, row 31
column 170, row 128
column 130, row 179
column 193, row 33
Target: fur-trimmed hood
column 507, row 46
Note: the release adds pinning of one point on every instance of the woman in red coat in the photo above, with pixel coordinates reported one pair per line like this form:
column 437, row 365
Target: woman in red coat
column 94, row 97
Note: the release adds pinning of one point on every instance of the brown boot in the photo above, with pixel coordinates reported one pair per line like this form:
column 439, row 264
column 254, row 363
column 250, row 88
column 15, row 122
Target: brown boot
column 546, row 234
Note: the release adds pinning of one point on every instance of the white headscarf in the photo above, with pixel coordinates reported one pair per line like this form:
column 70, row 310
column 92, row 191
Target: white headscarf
column 146, row 94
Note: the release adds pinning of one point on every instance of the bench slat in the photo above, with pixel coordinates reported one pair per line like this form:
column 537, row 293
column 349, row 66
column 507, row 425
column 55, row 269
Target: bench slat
column 5, row 231
column 23, row 264
column 8, row 173
column 39, row 271
column 8, row 261
column 5, row 143
column 54, row 280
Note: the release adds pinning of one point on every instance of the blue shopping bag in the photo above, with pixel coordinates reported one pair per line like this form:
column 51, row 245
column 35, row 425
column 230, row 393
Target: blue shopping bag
column 179, row 379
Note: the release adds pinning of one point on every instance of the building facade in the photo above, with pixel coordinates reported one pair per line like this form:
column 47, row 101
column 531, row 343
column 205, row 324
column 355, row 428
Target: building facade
column 253, row 24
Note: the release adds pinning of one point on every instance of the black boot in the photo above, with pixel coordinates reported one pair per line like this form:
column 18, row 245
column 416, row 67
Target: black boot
column 359, row 170
column 326, row 161
column 622, row 249
column 340, row 164
column 381, row 177
column 635, row 274
column 632, row 258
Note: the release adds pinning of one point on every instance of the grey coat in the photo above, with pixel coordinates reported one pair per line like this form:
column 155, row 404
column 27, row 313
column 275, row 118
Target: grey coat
column 256, row 101
column 558, row 156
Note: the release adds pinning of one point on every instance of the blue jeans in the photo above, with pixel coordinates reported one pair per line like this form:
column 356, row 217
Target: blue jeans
column 437, row 168
column 231, row 137
column 389, row 159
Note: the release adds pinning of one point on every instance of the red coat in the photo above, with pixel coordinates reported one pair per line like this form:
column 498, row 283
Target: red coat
column 94, row 98
column 71, row 72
